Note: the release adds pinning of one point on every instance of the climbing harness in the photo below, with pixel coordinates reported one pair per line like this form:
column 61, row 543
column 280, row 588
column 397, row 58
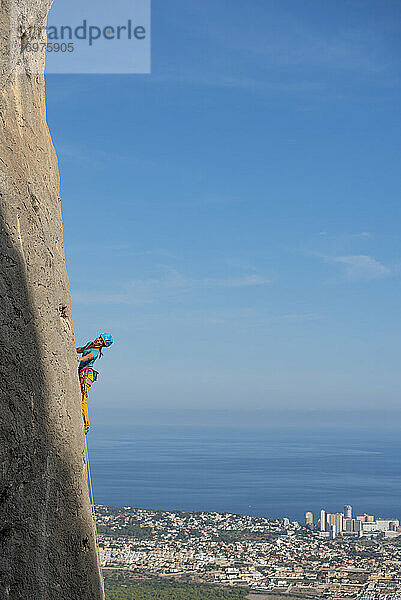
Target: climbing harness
column 94, row 514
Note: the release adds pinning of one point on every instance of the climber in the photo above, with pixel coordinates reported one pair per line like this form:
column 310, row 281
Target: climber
column 87, row 374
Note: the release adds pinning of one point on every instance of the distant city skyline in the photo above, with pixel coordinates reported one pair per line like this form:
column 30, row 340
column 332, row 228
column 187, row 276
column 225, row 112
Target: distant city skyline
column 332, row 525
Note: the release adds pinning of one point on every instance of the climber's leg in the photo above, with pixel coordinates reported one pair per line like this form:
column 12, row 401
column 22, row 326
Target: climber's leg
column 86, row 380
column 85, row 413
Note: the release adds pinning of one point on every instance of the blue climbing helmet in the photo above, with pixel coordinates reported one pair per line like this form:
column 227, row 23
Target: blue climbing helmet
column 107, row 338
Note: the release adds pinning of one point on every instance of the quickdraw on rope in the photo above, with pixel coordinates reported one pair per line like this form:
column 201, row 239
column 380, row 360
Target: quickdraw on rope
column 94, row 514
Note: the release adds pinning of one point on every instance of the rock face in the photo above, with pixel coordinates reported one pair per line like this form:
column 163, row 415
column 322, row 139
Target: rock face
column 47, row 543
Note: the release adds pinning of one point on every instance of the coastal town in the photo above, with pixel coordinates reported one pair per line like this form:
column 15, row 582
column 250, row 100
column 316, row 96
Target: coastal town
column 329, row 558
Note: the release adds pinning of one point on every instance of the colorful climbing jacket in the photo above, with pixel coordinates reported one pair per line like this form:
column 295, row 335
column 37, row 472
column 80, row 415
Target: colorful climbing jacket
column 87, row 350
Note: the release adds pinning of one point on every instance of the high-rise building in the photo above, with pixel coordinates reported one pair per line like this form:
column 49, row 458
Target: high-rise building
column 358, row 526
column 338, row 522
column 349, row 525
column 322, row 520
column 348, row 511
column 309, row 518
column 332, row 530
column 330, row 519
column 335, row 519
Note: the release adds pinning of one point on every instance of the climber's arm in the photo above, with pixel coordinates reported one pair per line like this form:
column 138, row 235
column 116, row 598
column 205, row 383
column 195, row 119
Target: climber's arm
column 80, row 349
column 86, row 358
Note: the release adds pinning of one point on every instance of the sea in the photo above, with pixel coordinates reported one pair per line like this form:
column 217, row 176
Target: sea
column 275, row 472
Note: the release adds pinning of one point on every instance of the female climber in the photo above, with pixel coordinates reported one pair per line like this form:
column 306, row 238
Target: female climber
column 87, row 375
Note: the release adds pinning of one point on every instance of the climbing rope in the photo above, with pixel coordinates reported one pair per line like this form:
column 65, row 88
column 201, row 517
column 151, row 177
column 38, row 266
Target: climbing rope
column 94, row 514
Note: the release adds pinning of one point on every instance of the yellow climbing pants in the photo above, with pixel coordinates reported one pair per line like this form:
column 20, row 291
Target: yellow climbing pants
column 86, row 378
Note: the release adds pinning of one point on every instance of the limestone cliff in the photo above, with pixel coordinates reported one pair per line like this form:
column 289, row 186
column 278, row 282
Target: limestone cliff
column 47, row 546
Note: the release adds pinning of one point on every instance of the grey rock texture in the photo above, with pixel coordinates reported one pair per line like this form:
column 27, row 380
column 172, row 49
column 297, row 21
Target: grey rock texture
column 47, row 543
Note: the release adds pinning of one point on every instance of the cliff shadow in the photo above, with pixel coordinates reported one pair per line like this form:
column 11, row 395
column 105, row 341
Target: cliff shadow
column 47, row 548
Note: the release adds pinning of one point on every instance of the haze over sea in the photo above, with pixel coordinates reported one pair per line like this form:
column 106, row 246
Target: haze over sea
column 277, row 470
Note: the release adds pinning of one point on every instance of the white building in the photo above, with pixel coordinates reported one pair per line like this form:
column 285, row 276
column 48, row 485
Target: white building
column 322, row 520
column 380, row 526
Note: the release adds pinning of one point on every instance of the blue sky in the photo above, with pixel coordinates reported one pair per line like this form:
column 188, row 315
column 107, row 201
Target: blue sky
column 233, row 218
